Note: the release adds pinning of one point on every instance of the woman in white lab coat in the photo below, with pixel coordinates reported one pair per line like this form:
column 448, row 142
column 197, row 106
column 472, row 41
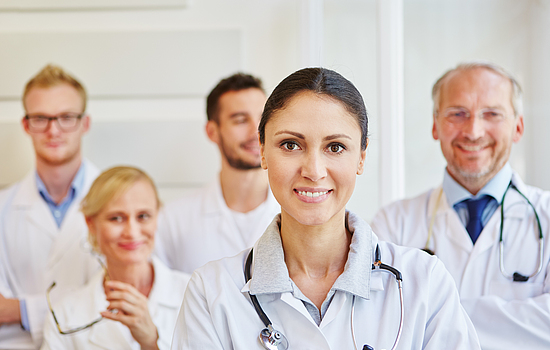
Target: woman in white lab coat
column 310, row 282
column 133, row 302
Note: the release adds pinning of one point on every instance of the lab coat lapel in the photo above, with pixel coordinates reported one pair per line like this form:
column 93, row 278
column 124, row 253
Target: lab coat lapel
column 73, row 224
column 448, row 223
column 107, row 335
column 515, row 208
column 36, row 211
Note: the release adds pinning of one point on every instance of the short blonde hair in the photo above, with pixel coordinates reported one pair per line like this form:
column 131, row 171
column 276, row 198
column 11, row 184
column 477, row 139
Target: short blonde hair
column 109, row 185
column 51, row 76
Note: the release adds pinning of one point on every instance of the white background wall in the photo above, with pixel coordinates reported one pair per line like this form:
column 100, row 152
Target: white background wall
column 157, row 122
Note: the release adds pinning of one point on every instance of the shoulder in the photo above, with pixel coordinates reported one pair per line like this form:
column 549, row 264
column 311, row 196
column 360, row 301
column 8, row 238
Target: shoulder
column 393, row 218
column 405, row 206
column 168, row 279
column 413, row 260
column 538, row 197
column 225, row 275
column 7, row 194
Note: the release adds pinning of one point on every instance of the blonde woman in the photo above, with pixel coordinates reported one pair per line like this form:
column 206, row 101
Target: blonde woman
column 133, row 302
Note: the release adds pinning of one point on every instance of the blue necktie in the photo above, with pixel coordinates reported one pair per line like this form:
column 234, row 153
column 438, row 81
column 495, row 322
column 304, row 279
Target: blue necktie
column 475, row 210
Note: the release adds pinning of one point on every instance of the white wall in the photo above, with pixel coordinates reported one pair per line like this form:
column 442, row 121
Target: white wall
column 166, row 110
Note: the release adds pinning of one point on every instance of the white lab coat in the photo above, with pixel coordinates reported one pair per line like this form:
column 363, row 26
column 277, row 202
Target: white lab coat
column 34, row 252
column 506, row 314
column 199, row 228
column 84, row 305
column 217, row 312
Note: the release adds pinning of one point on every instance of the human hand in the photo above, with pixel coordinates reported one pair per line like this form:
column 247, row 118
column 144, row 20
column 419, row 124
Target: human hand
column 132, row 312
column 9, row 310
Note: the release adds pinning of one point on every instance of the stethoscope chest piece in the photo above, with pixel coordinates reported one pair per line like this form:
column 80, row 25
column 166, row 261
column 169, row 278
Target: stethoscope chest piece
column 272, row 339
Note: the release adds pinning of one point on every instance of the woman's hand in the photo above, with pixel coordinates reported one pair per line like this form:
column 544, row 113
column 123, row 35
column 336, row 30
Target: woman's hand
column 132, row 312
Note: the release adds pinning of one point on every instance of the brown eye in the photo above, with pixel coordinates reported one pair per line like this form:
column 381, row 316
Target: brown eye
column 290, row 145
column 336, row 148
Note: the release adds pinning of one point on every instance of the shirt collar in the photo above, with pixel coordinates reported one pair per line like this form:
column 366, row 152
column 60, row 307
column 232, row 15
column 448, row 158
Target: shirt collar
column 495, row 188
column 270, row 273
column 76, row 188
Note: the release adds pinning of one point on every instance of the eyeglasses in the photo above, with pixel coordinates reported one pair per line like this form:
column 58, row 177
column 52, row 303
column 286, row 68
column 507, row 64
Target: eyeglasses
column 67, row 122
column 70, row 331
column 77, row 329
column 456, row 115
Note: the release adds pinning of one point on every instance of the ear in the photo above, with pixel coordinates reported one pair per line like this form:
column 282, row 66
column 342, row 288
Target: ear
column 518, row 129
column 25, row 124
column 90, row 224
column 86, row 122
column 212, row 131
column 434, row 129
column 363, row 156
column 262, row 155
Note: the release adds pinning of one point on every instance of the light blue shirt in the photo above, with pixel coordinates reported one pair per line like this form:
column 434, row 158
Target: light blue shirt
column 58, row 211
column 456, row 194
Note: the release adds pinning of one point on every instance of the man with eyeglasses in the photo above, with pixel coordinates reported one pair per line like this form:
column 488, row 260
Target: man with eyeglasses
column 487, row 226
column 42, row 232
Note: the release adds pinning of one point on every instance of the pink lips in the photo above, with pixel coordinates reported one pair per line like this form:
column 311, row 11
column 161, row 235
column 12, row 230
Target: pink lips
column 130, row 245
column 312, row 195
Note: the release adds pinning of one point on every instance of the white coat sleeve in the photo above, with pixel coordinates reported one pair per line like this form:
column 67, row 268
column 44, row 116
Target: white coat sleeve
column 195, row 328
column 512, row 324
column 37, row 309
column 448, row 325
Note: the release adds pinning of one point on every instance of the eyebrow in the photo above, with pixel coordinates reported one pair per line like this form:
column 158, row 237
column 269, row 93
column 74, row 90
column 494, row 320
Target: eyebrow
column 302, row 137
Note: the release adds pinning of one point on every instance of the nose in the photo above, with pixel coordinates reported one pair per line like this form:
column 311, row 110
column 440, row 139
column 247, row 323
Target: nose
column 474, row 127
column 313, row 167
column 53, row 127
column 132, row 228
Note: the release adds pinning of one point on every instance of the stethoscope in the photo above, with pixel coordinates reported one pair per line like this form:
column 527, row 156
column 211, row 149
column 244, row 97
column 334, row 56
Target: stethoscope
column 273, row 339
column 516, row 277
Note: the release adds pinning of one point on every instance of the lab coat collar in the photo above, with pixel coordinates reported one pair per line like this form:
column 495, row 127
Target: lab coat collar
column 447, row 217
column 103, row 334
column 495, row 188
column 270, row 274
column 28, row 198
column 163, row 286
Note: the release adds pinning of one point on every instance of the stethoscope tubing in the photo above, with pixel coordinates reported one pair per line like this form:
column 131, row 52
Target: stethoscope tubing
column 517, row 277
column 274, row 337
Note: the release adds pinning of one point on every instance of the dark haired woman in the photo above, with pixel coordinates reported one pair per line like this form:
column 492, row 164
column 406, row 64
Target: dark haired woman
column 319, row 278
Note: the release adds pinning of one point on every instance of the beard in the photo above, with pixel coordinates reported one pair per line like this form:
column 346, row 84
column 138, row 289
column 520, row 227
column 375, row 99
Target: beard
column 235, row 161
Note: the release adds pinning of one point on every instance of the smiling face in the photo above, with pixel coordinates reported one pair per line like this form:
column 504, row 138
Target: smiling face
column 312, row 151
column 478, row 148
column 236, row 128
column 54, row 146
column 125, row 229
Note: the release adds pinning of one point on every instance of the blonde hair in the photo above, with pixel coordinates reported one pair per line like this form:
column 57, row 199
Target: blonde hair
column 109, row 185
column 517, row 94
column 51, row 76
